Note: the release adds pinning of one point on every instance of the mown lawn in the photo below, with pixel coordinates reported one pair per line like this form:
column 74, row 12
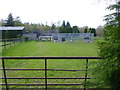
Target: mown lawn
column 48, row 49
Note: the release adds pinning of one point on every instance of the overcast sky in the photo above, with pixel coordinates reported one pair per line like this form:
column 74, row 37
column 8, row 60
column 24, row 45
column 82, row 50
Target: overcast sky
column 77, row 12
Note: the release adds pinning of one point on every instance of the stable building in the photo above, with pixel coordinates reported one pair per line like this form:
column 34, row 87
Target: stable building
column 11, row 32
column 70, row 37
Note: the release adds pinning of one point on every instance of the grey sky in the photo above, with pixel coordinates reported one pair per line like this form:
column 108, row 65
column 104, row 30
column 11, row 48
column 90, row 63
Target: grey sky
column 77, row 12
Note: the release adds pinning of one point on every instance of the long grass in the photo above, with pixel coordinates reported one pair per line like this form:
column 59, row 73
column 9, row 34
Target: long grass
column 48, row 49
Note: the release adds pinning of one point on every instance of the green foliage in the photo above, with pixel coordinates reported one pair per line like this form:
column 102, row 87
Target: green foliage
column 92, row 30
column 53, row 26
column 66, row 28
column 75, row 29
column 62, row 28
column 108, row 69
column 63, row 24
column 10, row 20
column 33, row 48
column 18, row 21
column 30, row 27
column 85, row 30
column 68, row 25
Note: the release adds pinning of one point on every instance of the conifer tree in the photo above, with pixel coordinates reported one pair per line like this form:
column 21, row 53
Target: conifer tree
column 10, row 20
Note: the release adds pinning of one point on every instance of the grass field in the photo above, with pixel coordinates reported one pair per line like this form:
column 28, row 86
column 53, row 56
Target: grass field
column 52, row 49
column 48, row 49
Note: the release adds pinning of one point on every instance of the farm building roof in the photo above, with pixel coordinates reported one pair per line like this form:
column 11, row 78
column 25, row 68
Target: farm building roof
column 11, row 28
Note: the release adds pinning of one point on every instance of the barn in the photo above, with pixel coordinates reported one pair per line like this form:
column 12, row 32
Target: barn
column 11, row 32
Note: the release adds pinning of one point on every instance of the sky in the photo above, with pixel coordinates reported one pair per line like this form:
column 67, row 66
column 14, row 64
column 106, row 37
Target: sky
column 78, row 12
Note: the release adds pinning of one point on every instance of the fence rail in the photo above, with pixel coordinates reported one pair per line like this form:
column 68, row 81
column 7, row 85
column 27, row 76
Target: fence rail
column 10, row 42
column 45, row 69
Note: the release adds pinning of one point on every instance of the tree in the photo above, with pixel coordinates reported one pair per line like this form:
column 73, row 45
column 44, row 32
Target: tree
column 10, row 20
column 81, row 29
column 18, row 22
column 62, row 28
column 75, row 29
column 108, row 69
column 63, row 24
column 68, row 28
column 92, row 30
column 53, row 26
column 99, row 31
column 2, row 22
column 68, row 25
column 85, row 30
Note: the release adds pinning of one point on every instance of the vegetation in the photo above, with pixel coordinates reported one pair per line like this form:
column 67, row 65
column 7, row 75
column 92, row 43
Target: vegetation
column 11, row 21
column 92, row 30
column 52, row 49
column 48, row 49
column 108, row 70
column 75, row 29
column 86, row 30
column 65, row 27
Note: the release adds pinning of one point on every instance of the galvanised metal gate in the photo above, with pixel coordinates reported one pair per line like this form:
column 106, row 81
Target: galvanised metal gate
column 45, row 69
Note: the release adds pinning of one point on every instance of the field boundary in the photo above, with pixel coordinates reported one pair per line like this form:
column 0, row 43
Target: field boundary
column 10, row 42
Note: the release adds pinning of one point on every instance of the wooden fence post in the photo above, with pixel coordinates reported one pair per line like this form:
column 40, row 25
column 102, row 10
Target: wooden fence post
column 10, row 42
column 4, row 44
column 14, row 41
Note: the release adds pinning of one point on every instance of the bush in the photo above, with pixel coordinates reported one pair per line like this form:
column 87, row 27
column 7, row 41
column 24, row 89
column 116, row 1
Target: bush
column 26, row 39
column 107, row 71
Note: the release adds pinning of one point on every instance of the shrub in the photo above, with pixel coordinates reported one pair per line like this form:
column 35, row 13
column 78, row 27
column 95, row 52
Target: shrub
column 107, row 71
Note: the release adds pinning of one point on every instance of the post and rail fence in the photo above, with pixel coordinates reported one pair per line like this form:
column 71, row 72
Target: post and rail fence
column 10, row 42
column 46, row 84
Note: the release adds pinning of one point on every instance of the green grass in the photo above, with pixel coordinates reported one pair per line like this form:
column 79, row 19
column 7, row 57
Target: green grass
column 49, row 49
column 52, row 49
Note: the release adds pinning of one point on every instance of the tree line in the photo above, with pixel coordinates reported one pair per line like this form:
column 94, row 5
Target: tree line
column 65, row 27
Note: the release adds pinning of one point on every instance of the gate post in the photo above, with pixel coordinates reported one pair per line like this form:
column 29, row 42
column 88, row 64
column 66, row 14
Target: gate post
column 86, row 73
column 45, row 74
column 4, row 73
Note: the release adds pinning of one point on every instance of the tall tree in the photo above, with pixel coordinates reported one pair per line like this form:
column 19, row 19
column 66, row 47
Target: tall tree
column 10, row 20
column 68, row 28
column 75, row 29
column 109, row 66
column 85, row 30
column 62, row 28
column 53, row 26
column 63, row 24
column 68, row 25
